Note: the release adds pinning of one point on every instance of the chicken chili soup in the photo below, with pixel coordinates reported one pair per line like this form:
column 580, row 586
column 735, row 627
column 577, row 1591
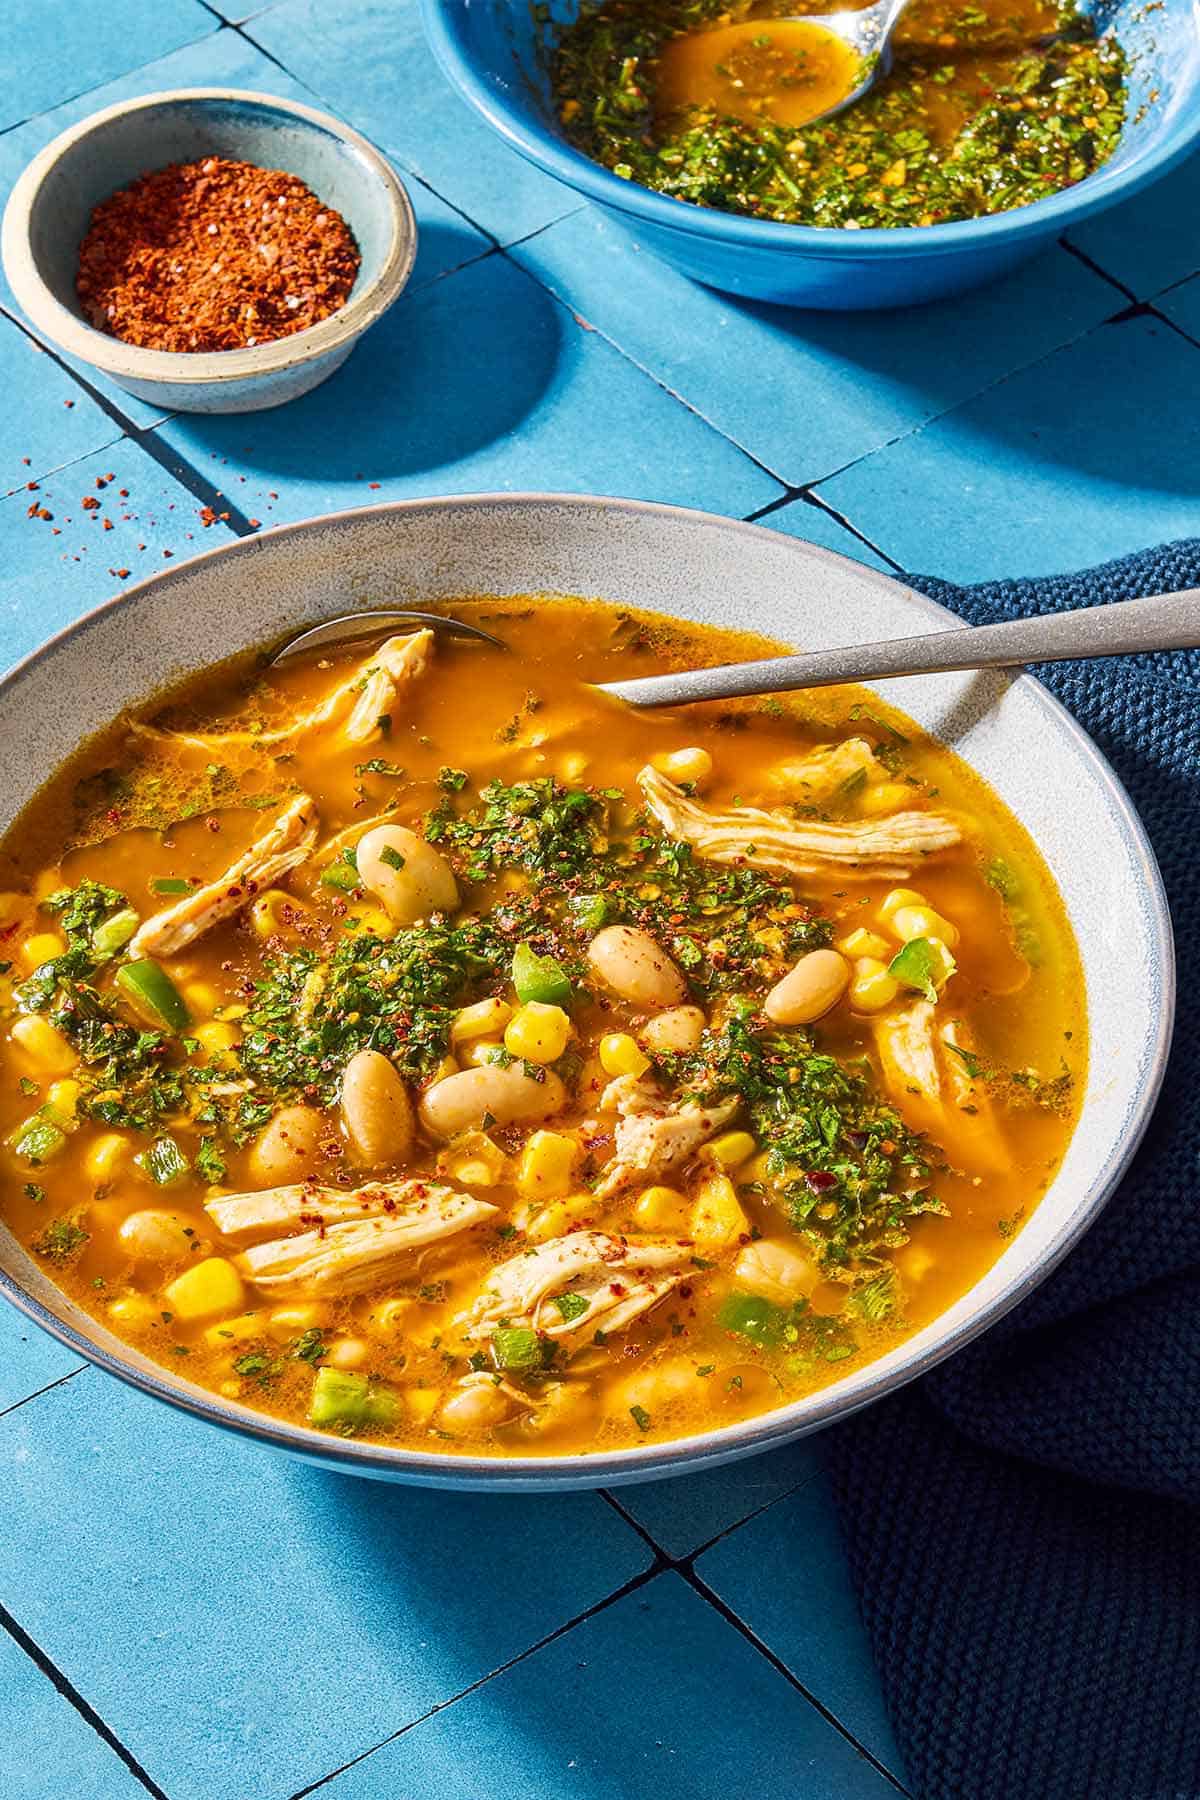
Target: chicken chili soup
column 426, row 1047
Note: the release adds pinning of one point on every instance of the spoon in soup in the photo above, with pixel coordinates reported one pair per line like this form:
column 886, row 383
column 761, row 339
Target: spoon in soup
column 787, row 71
column 372, row 624
column 1124, row 628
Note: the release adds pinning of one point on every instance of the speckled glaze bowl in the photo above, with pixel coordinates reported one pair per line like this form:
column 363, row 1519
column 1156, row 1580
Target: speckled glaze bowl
column 50, row 206
column 495, row 53
column 718, row 572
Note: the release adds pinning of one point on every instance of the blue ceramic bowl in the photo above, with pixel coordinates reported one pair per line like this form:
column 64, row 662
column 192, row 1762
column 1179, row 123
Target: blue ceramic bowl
column 495, row 53
column 50, row 206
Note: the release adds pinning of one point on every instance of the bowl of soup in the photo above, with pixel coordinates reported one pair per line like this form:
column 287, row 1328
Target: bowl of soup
column 692, row 123
column 413, row 1058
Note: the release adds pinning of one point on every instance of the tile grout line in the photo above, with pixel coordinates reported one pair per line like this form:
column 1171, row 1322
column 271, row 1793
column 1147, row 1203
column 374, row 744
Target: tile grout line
column 70, row 1693
column 684, row 1566
column 1064, row 243
column 631, row 1586
column 48, row 1389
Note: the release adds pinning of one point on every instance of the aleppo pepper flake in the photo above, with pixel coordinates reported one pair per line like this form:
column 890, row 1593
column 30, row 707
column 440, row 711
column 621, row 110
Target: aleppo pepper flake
column 214, row 255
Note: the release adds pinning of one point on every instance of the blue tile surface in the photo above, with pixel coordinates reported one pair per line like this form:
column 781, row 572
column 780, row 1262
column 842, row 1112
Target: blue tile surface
column 657, row 1694
column 49, row 1751
column 246, row 1623
column 682, row 1514
column 56, row 48
column 785, row 1576
column 48, row 580
column 480, row 381
column 48, row 420
column 30, row 1359
column 808, row 392
column 1147, row 243
column 369, row 61
column 1060, row 466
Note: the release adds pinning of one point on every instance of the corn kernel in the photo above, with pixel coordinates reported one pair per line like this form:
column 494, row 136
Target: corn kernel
column 900, row 897
column 865, row 943
column 547, row 1160
column 208, row 1287
column 61, row 1097
column 43, row 1044
column 370, row 921
column 885, row 797
column 478, row 1051
column 621, row 1054
column 560, row 1217
column 537, row 1033
column 105, row 1155
column 216, row 1036
column 732, row 1149
column 692, row 765
column 421, row 1403
column 910, row 922
column 474, row 1159
column 871, row 987
column 758, row 1170
column 487, row 1018
column 202, row 999
column 301, row 1316
column 133, row 1309
column 232, row 1332
column 661, row 1209
column 348, row 1352
column 41, row 948
column 717, row 1218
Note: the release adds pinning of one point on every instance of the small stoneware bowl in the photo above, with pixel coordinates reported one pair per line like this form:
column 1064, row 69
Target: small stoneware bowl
column 50, row 206
column 717, row 572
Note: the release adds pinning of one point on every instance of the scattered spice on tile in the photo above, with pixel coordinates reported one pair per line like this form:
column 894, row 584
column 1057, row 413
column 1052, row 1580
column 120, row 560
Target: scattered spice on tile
column 214, row 255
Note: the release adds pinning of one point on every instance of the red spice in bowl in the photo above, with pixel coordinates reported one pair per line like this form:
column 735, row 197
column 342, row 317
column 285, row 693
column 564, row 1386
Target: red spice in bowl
column 214, row 255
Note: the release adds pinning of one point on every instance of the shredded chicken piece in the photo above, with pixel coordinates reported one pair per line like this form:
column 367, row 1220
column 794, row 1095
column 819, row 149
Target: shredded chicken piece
column 811, row 779
column 618, row 1278
column 885, row 848
column 287, row 842
column 932, row 1087
column 373, row 1231
column 653, row 1138
column 364, row 696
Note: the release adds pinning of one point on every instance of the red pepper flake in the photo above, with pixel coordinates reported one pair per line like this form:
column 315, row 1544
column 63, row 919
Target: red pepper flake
column 254, row 524
column 168, row 553
column 214, row 255
column 107, row 524
column 90, row 503
column 31, row 487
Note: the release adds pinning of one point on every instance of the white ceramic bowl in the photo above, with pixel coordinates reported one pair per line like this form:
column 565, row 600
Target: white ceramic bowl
column 49, row 208
column 698, row 567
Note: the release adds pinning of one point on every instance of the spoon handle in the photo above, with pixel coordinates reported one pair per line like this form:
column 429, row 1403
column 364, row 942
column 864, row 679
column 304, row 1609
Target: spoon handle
column 1161, row 622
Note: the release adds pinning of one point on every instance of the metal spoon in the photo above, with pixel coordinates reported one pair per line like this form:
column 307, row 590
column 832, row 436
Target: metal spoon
column 1125, row 628
column 868, row 33
column 349, row 628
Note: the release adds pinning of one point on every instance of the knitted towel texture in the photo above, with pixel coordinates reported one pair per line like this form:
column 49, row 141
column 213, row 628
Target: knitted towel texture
column 1022, row 1525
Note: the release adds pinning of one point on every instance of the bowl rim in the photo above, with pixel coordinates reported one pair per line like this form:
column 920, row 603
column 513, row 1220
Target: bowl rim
column 760, row 1432
column 205, row 367
column 575, row 170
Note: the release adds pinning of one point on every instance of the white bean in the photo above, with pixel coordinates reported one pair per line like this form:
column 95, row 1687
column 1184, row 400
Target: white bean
column 463, row 1102
column 773, row 1268
column 377, row 1114
column 406, row 874
column 635, row 967
column 807, row 992
column 679, row 1028
column 287, row 1150
column 348, row 1353
column 475, row 1408
column 155, row 1236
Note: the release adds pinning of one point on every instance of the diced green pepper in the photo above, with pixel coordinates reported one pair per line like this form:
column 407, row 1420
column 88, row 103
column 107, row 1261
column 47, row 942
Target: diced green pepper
column 153, row 995
column 346, row 1401
column 113, row 934
column 163, row 1161
column 171, row 884
column 518, row 1348
column 753, row 1316
column 589, row 911
column 539, row 978
column 923, row 965
column 37, row 1140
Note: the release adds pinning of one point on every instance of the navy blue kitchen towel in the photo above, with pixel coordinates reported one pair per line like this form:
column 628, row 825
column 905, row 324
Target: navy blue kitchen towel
column 1023, row 1525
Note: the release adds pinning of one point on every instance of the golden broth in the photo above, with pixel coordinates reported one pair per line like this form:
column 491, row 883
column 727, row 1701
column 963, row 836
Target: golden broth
column 723, row 1342
column 788, row 73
